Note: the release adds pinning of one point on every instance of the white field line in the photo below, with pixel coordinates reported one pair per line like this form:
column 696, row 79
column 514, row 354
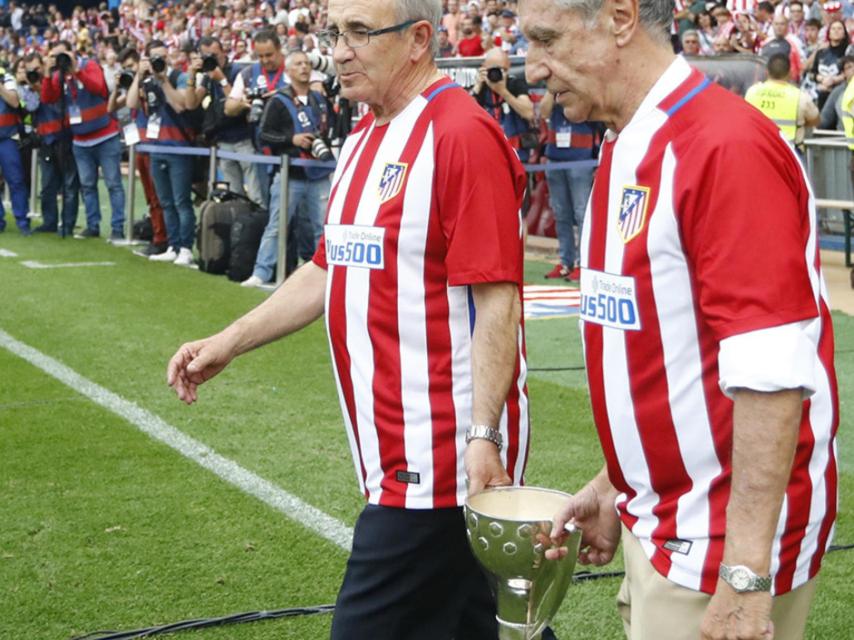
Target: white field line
column 35, row 264
column 5, row 253
column 312, row 518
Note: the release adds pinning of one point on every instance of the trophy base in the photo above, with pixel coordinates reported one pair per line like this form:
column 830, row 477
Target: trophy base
column 514, row 631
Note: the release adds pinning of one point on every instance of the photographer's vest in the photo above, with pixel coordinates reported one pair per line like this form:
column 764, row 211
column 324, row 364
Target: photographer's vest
column 141, row 121
column 568, row 141
column 310, row 118
column 231, row 128
column 780, row 102
column 256, row 77
column 173, row 130
column 49, row 122
column 848, row 114
column 10, row 119
column 511, row 122
column 94, row 115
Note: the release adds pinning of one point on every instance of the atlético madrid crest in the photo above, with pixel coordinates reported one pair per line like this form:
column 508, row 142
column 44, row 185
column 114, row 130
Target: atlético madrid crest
column 633, row 211
column 392, row 180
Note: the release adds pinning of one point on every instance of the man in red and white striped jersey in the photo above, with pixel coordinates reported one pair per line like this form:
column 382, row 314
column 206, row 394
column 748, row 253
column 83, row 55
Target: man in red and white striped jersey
column 419, row 272
column 707, row 334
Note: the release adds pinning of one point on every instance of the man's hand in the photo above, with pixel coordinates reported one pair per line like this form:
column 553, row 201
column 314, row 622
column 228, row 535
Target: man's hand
column 592, row 510
column 144, row 67
column 483, row 466
column 746, row 616
column 216, row 75
column 303, row 140
column 196, row 363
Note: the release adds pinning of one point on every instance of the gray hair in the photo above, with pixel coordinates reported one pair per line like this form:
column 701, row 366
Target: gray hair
column 429, row 10
column 656, row 16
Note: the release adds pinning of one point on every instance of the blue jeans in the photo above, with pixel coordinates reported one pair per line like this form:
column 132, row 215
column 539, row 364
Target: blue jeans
column 108, row 156
column 173, row 181
column 569, row 190
column 13, row 172
column 57, row 179
column 305, row 224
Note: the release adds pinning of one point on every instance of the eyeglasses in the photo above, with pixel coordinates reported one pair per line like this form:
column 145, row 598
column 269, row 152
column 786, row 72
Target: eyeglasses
column 356, row 38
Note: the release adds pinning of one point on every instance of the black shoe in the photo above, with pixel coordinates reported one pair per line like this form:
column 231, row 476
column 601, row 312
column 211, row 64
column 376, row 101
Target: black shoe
column 25, row 231
column 153, row 250
column 44, row 229
column 88, row 233
column 117, row 235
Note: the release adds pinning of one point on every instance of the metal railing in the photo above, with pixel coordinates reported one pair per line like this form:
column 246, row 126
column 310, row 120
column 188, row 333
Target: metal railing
column 828, row 163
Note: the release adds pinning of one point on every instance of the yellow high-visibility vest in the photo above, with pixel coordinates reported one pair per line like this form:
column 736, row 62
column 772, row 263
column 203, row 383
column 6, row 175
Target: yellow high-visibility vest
column 848, row 114
column 780, row 102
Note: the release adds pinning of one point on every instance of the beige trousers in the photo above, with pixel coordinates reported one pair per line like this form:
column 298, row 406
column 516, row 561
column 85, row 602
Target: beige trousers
column 654, row 608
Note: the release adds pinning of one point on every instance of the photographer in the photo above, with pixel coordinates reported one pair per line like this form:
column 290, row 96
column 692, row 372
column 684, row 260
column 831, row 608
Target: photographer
column 255, row 84
column 295, row 122
column 158, row 92
column 135, row 131
column 56, row 159
column 83, row 93
column 231, row 133
column 506, row 99
column 10, row 158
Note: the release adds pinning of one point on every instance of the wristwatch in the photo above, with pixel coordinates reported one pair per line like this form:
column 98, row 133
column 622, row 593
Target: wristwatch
column 743, row 579
column 484, row 432
column 224, row 82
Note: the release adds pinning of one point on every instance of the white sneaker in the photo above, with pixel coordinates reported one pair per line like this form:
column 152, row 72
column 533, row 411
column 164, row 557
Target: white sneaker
column 252, row 281
column 185, row 257
column 167, row 256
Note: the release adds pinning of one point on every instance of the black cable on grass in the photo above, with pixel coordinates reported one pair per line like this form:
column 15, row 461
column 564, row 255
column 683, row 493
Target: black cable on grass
column 254, row 616
column 204, row 623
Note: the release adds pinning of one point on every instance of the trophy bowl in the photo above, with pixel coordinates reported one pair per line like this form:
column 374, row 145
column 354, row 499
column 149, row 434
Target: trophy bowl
column 508, row 530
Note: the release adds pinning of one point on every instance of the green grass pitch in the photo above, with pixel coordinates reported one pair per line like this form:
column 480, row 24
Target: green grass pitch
column 101, row 527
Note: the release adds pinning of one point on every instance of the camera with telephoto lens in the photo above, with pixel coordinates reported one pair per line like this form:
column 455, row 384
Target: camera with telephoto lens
column 34, row 76
column 209, row 63
column 158, row 64
column 125, row 79
column 63, row 62
column 495, row 74
column 321, row 151
column 256, row 99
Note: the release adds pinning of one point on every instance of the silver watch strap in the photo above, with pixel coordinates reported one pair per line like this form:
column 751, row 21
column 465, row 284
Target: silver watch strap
column 484, row 432
column 743, row 579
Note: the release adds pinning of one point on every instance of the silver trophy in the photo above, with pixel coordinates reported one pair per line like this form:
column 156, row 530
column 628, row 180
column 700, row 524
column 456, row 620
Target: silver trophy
column 508, row 529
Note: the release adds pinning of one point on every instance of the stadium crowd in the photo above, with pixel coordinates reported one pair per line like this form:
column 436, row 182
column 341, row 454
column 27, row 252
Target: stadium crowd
column 76, row 89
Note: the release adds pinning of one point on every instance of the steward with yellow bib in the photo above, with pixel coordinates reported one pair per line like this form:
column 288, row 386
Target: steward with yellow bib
column 791, row 109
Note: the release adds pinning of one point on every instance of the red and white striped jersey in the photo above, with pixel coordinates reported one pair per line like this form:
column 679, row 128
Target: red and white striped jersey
column 421, row 208
column 700, row 275
column 742, row 6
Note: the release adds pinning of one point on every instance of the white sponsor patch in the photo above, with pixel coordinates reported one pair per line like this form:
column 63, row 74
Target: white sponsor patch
column 349, row 245
column 609, row 300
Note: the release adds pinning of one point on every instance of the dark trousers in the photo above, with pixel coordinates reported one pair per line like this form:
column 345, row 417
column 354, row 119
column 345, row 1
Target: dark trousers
column 155, row 211
column 411, row 576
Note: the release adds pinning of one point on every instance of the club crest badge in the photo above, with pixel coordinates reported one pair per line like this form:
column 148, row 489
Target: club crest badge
column 391, row 180
column 633, row 211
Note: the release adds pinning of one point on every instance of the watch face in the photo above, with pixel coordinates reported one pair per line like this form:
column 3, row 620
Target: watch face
column 739, row 579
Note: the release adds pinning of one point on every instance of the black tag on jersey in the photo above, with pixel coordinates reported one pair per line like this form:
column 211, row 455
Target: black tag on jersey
column 679, row 546
column 409, row 477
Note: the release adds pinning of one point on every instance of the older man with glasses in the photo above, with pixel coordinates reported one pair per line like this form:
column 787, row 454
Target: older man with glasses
column 419, row 273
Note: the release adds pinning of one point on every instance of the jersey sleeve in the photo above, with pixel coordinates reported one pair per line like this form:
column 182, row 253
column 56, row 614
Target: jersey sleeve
column 744, row 216
column 478, row 190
